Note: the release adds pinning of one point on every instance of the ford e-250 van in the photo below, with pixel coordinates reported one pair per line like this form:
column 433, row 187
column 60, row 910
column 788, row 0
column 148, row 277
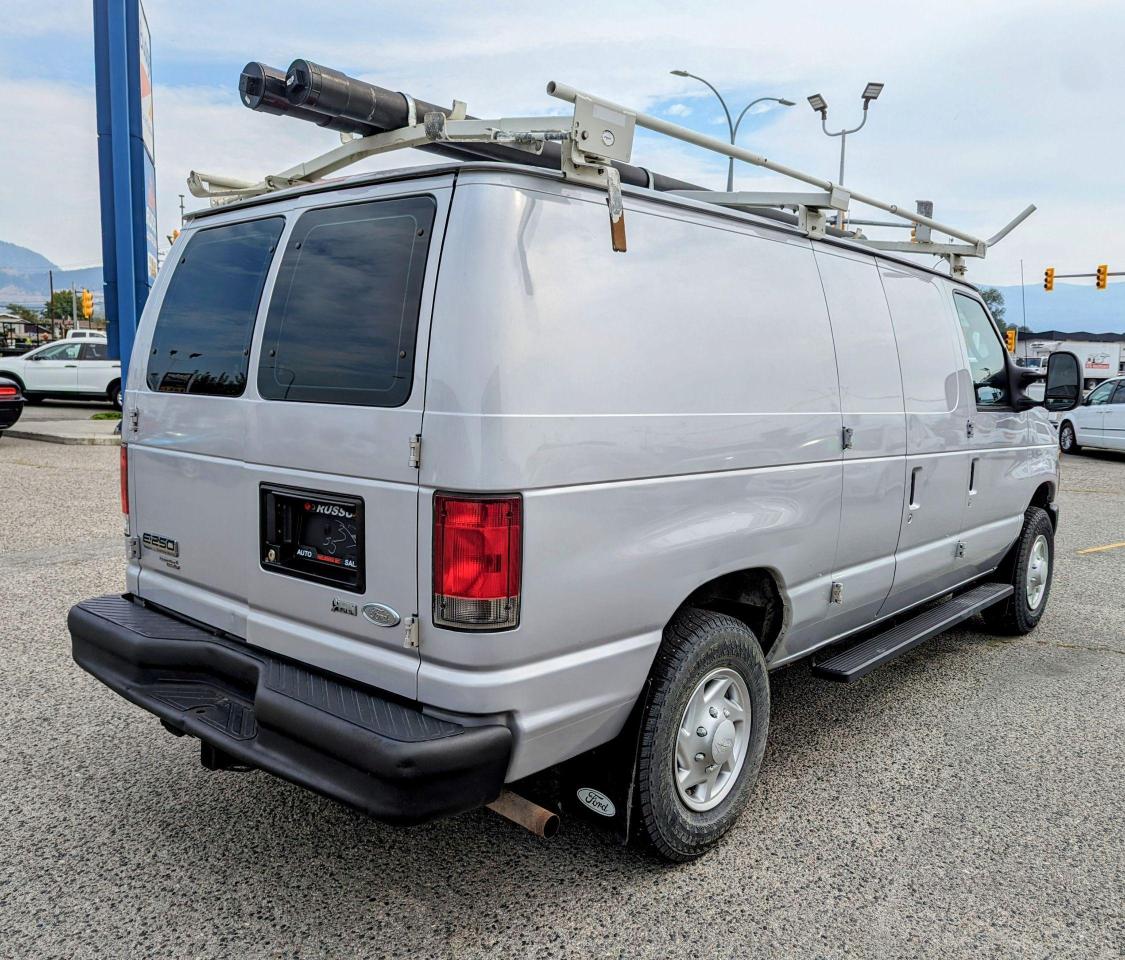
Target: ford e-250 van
column 428, row 490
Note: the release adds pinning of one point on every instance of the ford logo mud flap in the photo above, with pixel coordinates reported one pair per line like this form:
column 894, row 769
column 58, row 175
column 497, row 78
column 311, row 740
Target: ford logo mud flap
column 600, row 786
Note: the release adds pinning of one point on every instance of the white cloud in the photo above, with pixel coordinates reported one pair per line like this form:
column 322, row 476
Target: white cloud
column 678, row 110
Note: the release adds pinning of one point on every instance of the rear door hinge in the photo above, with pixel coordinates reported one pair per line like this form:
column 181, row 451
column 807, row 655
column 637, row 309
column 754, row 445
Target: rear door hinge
column 132, row 548
column 969, row 429
column 960, row 552
column 847, row 439
column 411, row 638
column 837, row 594
column 416, row 450
column 134, row 419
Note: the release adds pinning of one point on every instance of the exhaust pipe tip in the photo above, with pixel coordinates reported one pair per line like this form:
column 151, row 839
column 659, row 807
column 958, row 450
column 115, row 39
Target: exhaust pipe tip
column 532, row 817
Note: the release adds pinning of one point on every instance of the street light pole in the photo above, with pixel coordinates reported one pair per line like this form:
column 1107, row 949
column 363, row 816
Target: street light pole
column 732, row 126
column 820, row 105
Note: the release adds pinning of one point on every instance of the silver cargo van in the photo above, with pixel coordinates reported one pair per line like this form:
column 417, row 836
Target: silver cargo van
column 427, row 490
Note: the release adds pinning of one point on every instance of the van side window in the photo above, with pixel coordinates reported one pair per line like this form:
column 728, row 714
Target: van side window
column 201, row 343
column 343, row 319
column 985, row 352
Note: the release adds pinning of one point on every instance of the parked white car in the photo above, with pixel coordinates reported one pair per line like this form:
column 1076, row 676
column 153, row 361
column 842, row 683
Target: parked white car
column 1098, row 422
column 66, row 369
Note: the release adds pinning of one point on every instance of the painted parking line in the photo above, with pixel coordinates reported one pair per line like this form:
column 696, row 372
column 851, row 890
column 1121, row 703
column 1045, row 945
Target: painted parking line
column 1102, row 549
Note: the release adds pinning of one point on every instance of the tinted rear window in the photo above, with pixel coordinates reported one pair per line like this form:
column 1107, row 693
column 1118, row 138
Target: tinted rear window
column 201, row 343
column 343, row 320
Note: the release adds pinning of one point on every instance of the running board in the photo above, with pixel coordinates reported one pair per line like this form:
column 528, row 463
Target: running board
column 850, row 665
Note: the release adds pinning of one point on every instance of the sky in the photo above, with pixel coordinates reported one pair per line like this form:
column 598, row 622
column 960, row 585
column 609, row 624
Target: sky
column 988, row 106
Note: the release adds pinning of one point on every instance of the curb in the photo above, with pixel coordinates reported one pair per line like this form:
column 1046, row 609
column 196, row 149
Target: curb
column 111, row 440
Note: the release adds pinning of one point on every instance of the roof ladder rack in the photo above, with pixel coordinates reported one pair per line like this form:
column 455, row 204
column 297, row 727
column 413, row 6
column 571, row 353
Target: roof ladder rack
column 599, row 134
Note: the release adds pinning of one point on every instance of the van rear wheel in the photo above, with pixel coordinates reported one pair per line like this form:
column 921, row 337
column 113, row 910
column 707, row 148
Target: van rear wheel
column 1028, row 569
column 703, row 732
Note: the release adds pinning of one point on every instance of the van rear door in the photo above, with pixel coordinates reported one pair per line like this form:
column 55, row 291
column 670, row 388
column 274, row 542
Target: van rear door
column 284, row 472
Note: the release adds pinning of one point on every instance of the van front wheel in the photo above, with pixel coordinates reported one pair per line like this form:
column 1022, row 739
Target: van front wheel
column 703, row 732
column 1028, row 569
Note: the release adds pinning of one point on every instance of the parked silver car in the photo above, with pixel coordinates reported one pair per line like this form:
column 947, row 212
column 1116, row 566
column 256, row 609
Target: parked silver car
column 428, row 490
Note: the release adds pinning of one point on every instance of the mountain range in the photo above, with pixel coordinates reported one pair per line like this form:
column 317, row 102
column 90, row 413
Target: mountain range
column 1070, row 307
column 25, row 277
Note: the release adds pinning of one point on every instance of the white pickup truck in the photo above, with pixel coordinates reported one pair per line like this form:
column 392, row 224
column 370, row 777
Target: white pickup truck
column 66, row 369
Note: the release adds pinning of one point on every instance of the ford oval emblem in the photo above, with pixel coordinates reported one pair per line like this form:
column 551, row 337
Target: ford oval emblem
column 381, row 615
column 597, row 801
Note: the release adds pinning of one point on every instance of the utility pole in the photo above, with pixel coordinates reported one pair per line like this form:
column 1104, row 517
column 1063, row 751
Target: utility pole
column 181, row 211
column 73, row 309
column 1023, row 296
column 51, row 303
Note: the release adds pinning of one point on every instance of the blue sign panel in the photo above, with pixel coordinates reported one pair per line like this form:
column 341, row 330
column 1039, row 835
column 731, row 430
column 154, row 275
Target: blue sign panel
column 126, row 166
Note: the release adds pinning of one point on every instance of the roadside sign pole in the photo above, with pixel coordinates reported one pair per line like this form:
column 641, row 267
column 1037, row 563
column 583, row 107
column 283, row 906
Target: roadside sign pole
column 123, row 88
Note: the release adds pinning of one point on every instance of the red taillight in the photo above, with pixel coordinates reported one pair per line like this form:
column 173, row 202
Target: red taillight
column 477, row 561
column 7, row 390
column 124, row 480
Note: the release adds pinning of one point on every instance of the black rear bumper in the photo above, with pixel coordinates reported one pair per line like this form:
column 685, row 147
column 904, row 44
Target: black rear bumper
column 10, row 411
column 343, row 740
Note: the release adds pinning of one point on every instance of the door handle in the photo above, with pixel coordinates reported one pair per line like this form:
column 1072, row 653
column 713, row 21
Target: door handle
column 973, row 479
column 70, row 366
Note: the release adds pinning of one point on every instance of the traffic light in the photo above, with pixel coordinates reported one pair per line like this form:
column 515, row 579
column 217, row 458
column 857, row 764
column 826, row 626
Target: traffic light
column 1049, row 278
column 1102, row 275
column 87, row 304
column 1010, row 337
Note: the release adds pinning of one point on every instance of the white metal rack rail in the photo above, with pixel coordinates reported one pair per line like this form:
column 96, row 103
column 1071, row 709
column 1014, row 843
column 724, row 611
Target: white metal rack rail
column 600, row 133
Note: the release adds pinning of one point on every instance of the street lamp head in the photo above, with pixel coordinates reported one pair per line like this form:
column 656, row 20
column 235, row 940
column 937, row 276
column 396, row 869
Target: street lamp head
column 871, row 92
column 679, row 73
column 819, row 104
column 785, row 103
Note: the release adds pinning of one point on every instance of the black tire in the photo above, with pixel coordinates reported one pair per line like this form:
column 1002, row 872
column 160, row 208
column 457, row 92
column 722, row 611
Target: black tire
column 1016, row 616
column 1068, row 441
column 113, row 394
column 696, row 643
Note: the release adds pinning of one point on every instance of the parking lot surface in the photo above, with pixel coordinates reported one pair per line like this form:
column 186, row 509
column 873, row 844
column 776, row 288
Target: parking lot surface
column 966, row 800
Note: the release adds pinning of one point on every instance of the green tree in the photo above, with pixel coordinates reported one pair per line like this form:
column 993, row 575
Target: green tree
column 995, row 301
column 60, row 306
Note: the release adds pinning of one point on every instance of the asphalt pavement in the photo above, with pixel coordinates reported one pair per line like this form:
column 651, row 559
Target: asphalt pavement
column 967, row 800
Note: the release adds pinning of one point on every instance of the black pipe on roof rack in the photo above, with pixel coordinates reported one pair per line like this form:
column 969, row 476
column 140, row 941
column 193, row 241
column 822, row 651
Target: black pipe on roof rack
column 262, row 88
column 329, row 98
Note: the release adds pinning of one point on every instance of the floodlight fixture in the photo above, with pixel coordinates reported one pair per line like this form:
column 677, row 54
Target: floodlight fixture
column 871, row 92
column 819, row 104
